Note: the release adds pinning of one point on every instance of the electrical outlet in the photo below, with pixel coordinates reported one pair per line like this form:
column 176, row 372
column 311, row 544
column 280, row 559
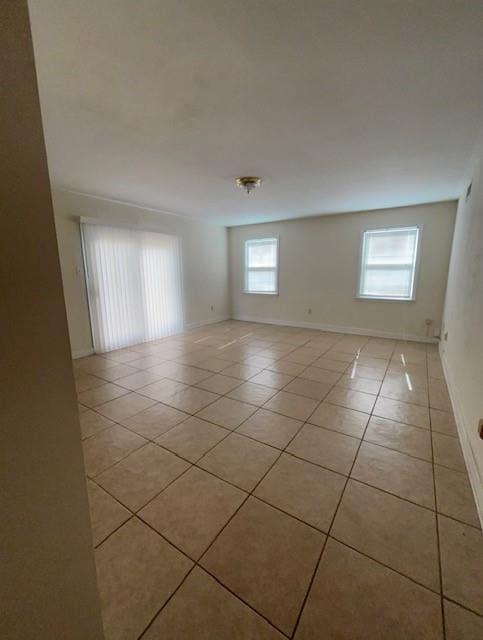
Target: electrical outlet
column 480, row 428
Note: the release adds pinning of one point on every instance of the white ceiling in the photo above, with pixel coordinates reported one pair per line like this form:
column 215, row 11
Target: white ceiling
column 338, row 105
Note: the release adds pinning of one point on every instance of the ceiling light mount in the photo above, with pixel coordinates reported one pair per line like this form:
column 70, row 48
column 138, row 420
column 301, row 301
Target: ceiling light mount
column 248, row 183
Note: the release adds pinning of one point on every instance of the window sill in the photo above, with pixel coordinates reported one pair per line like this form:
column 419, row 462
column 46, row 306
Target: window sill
column 383, row 299
column 261, row 293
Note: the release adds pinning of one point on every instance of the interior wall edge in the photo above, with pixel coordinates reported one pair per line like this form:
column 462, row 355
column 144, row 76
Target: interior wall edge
column 319, row 271
column 204, row 259
column 203, row 323
column 48, row 584
column 469, row 454
column 82, row 353
column 359, row 331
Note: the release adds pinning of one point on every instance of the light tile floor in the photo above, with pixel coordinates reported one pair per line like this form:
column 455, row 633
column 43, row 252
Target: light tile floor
column 258, row 482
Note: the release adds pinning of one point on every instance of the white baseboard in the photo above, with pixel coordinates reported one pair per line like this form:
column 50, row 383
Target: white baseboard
column 202, row 323
column 468, row 453
column 337, row 329
column 82, row 353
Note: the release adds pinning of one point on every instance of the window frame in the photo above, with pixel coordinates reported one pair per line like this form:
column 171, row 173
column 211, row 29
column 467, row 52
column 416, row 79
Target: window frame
column 361, row 296
column 246, row 268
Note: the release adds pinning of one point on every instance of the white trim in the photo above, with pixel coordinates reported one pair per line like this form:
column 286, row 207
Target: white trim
column 127, row 203
column 475, row 481
column 246, row 269
column 82, row 353
column 103, row 222
column 379, row 299
column 333, row 328
column 415, row 268
column 202, row 323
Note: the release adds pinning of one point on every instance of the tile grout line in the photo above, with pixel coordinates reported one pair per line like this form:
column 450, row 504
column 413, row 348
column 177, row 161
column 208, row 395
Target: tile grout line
column 257, row 408
column 283, row 451
column 197, row 563
column 317, row 565
column 248, row 436
column 190, row 415
column 250, row 494
column 211, row 374
column 436, row 517
column 341, row 497
column 195, row 464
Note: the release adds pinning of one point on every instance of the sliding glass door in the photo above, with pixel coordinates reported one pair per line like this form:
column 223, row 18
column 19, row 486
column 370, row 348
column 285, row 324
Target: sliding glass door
column 133, row 285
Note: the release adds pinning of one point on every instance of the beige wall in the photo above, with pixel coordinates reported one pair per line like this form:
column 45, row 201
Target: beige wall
column 47, row 585
column 319, row 267
column 462, row 353
column 204, row 250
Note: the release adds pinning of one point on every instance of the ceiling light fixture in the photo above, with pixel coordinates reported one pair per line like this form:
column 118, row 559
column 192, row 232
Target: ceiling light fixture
column 248, row 183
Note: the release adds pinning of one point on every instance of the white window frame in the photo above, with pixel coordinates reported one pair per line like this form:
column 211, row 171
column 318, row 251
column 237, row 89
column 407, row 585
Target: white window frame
column 247, row 269
column 412, row 298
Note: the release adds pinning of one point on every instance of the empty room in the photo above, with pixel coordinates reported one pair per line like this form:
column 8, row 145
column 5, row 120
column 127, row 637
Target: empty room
column 241, row 391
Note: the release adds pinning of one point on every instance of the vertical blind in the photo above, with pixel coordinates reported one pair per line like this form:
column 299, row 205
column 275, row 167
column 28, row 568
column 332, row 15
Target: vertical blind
column 261, row 264
column 133, row 285
column 388, row 266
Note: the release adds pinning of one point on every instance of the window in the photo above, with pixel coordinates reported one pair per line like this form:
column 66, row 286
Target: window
column 133, row 285
column 261, row 266
column 388, row 263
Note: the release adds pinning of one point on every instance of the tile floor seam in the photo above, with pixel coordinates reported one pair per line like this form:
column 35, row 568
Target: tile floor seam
column 403, row 453
column 316, row 464
column 242, row 435
column 190, row 415
column 194, row 384
column 394, row 495
column 120, row 459
column 249, row 437
column 282, row 451
column 131, row 516
column 192, row 464
column 291, row 515
column 135, row 513
column 463, row 606
column 188, row 385
column 211, row 473
column 197, row 562
column 299, row 617
column 383, row 564
column 249, row 495
column 414, row 426
column 319, row 426
column 438, row 540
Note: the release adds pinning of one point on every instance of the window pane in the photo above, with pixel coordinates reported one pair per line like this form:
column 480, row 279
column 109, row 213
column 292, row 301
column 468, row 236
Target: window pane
column 391, row 247
column 263, row 281
column 387, row 283
column 262, row 253
column 389, row 262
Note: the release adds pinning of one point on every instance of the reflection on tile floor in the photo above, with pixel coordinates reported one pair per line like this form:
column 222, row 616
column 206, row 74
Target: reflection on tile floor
column 249, row 481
